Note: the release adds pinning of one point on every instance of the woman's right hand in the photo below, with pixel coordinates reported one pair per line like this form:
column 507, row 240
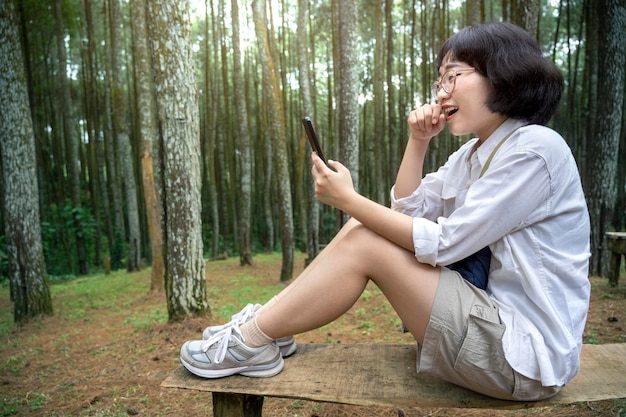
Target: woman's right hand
column 426, row 122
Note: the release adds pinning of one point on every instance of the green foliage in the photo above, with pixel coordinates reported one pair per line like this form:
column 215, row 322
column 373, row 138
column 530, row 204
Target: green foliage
column 58, row 237
column 329, row 225
column 117, row 251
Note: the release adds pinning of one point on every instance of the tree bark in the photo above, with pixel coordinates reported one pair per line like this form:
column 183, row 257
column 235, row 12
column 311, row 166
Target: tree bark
column 243, row 140
column 393, row 161
column 185, row 281
column 27, row 272
column 526, row 15
column 154, row 222
column 121, row 132
column 304, row 80
column 211, row 85
column 92, row 117
column 473, row 12
column 71, row 140
column 604, row 147
column 111, row 176
column 348, row 88
column 149, row 138
column 376, row 151
column 278, row 134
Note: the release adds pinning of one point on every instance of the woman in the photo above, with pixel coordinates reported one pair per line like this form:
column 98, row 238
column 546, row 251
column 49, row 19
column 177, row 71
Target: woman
column 515, row 189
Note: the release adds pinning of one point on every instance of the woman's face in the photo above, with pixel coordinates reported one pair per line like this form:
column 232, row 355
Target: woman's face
column 465, row 107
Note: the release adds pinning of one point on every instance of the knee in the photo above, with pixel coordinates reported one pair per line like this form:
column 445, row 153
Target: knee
column 362, row 239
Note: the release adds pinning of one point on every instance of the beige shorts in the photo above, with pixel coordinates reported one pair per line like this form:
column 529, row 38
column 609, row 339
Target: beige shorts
column 463, row 344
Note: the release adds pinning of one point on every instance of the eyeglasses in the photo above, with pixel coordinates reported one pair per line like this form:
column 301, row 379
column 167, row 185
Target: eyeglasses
column 447, row 81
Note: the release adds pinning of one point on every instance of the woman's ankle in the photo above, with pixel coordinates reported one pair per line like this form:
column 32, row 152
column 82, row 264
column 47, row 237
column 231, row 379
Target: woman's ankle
column 253, row 336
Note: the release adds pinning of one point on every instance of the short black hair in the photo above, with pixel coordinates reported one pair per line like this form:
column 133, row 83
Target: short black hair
column 526, row 85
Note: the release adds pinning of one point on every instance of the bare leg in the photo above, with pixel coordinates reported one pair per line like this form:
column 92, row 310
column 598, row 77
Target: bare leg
column 337, row 277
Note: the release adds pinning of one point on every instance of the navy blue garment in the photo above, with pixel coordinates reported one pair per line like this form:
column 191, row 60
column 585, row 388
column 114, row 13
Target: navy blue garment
column 475, row 268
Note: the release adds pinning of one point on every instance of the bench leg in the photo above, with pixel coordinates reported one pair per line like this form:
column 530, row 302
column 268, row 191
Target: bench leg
column 237, row 405
column 614, row 273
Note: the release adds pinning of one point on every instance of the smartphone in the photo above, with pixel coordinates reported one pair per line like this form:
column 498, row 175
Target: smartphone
column 310, row 133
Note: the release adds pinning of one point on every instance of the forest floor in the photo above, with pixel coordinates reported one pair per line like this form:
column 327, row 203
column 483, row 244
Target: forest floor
column 109, row 346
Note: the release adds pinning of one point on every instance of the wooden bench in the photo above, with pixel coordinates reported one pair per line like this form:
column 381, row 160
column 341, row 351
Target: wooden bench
column 616, row 243
column 384, row 375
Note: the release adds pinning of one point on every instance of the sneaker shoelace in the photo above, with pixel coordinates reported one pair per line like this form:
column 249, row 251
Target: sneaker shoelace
column 223, row 338
column 243, row 316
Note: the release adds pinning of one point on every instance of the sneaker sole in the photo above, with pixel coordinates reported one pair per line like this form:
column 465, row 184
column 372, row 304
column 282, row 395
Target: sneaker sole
column 287, row 349
column 256, row 371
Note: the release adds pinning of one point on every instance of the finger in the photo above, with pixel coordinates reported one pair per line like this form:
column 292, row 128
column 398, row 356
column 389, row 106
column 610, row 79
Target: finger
column 317, row 161
column 336, row 165
column 436, row 121
column 441, row 121
column 436, row 114
column 426, row 117
column 421, row 115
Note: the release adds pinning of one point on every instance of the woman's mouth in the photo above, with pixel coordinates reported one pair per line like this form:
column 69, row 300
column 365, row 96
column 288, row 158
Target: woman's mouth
column 449, row 111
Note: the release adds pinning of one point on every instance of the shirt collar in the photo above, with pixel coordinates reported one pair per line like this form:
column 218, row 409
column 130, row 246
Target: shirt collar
column 485, row 149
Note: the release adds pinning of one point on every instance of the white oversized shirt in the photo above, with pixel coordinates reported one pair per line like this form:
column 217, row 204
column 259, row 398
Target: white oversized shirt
column 530, row 209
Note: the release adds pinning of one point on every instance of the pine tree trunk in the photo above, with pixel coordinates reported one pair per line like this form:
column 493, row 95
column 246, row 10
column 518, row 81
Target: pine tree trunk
column 278, row 136
column 149, row 138
column 304, row 79
column 243, row 140
column 111, row 176
column 211, row 85
column 93, row 129
column 527, row 16
column 604, row 146
column 121, row 131
column 27, row 272
column 177, row 99
column 376, row 155
column 154, row 222
column 71, row 139
column 348, row 88
column 473, row 12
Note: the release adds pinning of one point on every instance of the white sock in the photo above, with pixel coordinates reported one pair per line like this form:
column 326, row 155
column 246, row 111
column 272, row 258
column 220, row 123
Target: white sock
column 253, row 336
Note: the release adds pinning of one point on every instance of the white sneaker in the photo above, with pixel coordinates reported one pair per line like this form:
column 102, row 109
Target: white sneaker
column 226, row 354
column 238, row 319
column 287, row 345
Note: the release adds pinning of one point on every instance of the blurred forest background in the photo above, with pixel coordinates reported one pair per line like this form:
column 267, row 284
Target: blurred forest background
column 161, row 125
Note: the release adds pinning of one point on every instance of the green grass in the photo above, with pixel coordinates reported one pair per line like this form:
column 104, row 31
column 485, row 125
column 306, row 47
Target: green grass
column 79, row 299
column 11, row 406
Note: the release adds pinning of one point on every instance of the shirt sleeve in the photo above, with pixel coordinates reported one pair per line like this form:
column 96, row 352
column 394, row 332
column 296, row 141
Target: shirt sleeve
column 501, row 201
column 426, row 240
column 426, row 200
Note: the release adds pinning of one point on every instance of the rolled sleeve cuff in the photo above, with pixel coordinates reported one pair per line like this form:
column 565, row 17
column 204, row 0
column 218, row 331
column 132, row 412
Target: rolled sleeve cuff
column 426, row 240
column 406, row 204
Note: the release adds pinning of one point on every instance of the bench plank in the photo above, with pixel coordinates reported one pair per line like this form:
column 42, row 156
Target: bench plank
column 384, row 375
